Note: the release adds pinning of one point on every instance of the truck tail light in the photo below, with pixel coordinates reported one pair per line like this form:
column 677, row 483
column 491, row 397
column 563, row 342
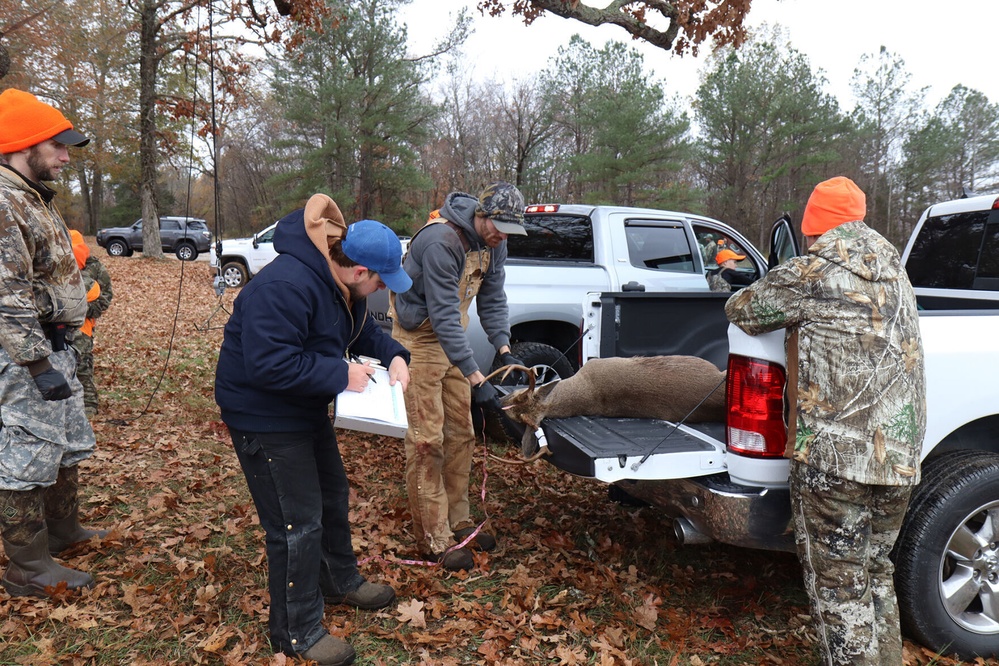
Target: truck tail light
column 755, row 403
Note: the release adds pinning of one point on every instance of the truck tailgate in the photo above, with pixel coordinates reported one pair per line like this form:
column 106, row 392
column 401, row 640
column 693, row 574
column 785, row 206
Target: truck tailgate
column 610, row 449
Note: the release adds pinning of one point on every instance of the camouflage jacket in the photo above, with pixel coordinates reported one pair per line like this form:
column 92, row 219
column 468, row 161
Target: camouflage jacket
column 94, row 271
column 41, row 281
column 852, row 325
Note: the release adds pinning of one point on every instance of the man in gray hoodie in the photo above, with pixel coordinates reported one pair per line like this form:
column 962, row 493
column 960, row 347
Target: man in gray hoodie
column 456, row 257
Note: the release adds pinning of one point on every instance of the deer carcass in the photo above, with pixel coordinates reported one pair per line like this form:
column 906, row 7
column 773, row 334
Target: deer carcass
column 659, row 387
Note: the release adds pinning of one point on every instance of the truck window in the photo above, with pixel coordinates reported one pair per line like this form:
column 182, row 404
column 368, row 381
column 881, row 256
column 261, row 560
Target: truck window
column 659, row 247
column 169, row 225
column 945, row 254
column 554, row 237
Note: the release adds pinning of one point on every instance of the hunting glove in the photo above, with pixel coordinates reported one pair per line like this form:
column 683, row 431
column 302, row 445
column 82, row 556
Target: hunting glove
column 52, row 384
column 517, row 376
column 486, row 396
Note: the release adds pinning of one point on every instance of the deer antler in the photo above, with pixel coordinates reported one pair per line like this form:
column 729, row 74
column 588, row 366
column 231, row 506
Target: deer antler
column 507, row 369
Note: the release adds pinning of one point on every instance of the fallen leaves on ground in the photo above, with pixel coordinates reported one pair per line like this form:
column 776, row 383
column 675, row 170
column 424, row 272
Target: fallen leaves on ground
column 181, row 577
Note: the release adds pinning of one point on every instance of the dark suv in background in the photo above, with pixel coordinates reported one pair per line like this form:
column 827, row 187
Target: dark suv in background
column 184, row 236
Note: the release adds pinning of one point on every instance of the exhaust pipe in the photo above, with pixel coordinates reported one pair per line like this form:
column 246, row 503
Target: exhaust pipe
column 687, row 534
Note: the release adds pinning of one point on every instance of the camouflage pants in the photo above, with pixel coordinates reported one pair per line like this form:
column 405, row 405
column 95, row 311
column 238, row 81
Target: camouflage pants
column 39, row 436
column 84, row 346
column 439, row 442
column 844, row 532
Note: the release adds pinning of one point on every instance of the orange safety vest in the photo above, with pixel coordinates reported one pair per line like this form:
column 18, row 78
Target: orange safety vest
column 88, row 324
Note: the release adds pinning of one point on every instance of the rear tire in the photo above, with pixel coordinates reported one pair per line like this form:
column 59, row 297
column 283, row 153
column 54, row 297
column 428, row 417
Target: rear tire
column 548, row 363
column 947, row 556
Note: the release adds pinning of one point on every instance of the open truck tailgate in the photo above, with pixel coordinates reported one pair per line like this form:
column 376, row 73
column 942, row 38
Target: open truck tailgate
column 611, row 449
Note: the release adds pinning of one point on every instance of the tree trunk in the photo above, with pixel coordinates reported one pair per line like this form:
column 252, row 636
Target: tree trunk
column 151, row 246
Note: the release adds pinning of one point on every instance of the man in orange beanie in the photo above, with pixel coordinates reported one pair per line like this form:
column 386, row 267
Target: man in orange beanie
column 727, row 274
column 45, row 433
column 853, row 342
column 97, row 282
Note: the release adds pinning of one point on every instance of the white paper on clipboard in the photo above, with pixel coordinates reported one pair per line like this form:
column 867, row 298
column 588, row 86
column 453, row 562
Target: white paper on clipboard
column 379, row 408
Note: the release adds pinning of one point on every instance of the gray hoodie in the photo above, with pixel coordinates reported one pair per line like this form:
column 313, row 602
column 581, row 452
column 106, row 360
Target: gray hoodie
column 436, row 261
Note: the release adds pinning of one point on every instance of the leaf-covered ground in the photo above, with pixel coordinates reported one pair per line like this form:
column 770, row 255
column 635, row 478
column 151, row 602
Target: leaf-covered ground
column 182, row 575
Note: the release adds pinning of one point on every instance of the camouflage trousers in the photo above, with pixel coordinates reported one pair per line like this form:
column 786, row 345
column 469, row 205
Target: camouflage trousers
column 439, row 442
column 844, row 532
column 39, row 436
column 84, row 346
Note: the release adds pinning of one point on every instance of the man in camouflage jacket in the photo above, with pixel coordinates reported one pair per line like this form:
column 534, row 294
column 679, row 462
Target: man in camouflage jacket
column 97, row 282
column 855, row 377
column 44, row 433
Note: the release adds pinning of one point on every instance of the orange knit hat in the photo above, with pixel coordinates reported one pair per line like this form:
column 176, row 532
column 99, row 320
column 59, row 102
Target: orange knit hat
column 832, row 203
column 80, row 249
column 26, row 121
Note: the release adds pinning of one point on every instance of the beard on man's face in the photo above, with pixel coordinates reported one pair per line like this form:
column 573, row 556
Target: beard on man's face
column 36, row 162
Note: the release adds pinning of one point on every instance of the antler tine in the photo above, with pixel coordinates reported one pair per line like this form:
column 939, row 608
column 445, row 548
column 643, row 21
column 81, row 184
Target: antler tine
column 507, row 369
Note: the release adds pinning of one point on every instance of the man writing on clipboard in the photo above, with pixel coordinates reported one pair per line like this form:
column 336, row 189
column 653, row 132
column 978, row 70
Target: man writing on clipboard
column 281, row 364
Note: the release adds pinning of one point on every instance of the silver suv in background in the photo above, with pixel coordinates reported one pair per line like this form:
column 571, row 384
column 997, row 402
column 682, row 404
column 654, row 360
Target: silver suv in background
column 184, row 236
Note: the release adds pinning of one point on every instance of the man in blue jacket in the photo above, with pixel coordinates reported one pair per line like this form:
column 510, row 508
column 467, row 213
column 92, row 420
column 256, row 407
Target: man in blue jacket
column 282, row 362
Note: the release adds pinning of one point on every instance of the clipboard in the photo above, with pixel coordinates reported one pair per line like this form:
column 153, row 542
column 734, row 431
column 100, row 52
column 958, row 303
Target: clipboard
column 379, row 409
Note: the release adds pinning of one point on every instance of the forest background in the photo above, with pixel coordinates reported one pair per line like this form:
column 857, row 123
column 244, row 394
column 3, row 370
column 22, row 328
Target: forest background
column 211, row 113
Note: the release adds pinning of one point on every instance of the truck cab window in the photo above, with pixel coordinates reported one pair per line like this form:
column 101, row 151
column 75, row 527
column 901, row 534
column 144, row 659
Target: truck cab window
column 554, row 237
column 945, row 254
column 659, row 247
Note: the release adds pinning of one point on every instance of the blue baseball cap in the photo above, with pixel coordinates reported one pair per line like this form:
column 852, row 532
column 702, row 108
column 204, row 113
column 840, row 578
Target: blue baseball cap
column 376, row 247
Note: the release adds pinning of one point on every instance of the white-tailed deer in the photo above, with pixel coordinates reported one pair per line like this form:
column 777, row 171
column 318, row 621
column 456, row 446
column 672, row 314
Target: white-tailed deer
column 659, row 387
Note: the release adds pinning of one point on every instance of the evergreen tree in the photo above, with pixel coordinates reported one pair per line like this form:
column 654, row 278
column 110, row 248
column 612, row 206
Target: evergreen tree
column 356, row 112
column 768, row 134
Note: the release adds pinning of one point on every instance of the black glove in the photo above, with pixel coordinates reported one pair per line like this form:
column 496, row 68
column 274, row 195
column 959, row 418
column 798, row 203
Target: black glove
column 517, row 376
column 52, row 385
column 486, row 396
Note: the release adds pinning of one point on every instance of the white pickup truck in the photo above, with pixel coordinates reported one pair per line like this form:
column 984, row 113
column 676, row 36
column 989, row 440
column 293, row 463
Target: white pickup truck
column 947, row 554
column 570, row 250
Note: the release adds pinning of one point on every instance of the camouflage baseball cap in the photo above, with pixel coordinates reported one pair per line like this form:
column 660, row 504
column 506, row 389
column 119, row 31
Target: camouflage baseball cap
column 504, row 204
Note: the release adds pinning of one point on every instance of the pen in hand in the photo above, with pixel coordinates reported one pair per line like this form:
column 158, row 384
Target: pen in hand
column 354, row 358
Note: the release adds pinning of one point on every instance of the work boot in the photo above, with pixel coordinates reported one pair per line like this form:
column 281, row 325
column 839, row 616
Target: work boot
column 331, row 651
column 62, row 499
column 32, row 569
column 65, row 532
column 457, row 559
column 369, row 596
column 484, row 541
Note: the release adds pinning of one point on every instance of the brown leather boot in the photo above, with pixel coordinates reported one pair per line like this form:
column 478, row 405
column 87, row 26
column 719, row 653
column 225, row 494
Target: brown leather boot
column 32, row 569
column 62, row 513
column 331, row 651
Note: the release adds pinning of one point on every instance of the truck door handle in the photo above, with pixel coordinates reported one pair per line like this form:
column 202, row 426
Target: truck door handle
column 633, row 286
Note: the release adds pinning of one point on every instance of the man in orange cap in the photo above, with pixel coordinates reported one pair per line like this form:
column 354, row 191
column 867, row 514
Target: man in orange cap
column 853, row 343
column 727, row 274
column 44, row 433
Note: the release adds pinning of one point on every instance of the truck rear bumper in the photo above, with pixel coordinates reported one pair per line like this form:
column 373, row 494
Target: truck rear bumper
column 716, row 508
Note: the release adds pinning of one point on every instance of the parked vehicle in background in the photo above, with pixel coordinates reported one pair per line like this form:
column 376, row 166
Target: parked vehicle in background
column 184, row 236
column 242, row 258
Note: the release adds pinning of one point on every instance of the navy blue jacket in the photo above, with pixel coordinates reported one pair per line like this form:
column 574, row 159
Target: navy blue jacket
column 282, row 357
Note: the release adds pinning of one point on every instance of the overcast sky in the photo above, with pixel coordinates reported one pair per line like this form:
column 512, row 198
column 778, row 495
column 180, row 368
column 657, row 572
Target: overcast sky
column 942, row 43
